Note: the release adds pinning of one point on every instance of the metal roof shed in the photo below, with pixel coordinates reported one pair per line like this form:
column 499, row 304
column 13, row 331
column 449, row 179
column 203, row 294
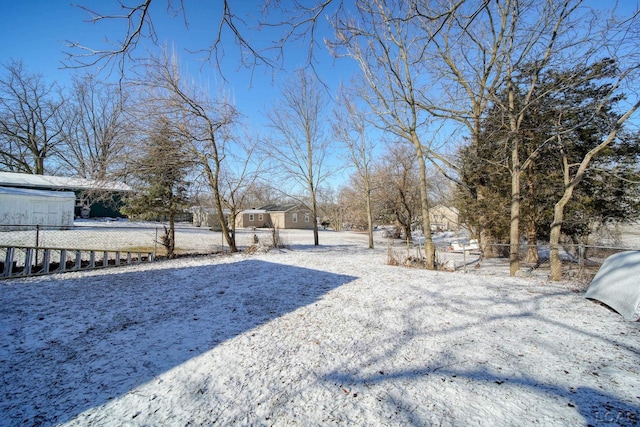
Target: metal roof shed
column 20, row 207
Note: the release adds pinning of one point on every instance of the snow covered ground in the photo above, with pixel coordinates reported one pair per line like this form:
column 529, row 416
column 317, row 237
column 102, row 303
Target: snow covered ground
column 326, row 335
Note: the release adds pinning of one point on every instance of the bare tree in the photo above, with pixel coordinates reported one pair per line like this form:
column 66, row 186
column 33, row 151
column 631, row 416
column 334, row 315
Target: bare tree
column 397, row 193
column 332, row 206
column 236, row 182
column 573, row 175
column 350, row 128
column 96, row 129
column 466, row 59
column 298, row 22
column 384, row 40
column 30, row 120
column 204, row 123
column 300, row 149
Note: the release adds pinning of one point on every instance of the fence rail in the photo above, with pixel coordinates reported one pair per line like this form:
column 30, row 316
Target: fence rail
column 28, row 261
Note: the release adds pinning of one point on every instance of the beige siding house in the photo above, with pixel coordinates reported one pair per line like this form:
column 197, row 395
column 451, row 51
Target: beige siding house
column 295, row 216
column 258, row 218
column 444, row 218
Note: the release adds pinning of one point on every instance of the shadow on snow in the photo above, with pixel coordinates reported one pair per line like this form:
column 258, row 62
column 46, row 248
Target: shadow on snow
column 66, row 354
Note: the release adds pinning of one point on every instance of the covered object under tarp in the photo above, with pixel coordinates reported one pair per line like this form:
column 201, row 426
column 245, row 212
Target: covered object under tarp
column 21, row 207
column 617, row 284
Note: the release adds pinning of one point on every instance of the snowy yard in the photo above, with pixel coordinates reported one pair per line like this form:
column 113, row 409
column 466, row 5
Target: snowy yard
column 311, row 336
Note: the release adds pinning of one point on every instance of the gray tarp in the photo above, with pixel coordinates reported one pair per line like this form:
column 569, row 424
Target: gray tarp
column 617, row 284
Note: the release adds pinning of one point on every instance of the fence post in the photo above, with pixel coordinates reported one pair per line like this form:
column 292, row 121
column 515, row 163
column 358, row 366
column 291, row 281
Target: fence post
column 581, row 258
column 46, row 260
column 28, row 261
column 8, row 262
column 464, row 257
column 37, row 241
column 78, row 263
column 63, row 260
column 155, row 244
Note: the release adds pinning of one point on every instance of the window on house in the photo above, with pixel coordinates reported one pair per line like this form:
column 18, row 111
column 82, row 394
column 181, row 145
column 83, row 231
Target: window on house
column 307, row 217
column 260, row 217
column 251, row 217
column 294, row 217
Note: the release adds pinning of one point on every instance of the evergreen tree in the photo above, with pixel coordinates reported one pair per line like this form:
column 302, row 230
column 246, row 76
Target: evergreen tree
column 161, row 173
column 561, row 121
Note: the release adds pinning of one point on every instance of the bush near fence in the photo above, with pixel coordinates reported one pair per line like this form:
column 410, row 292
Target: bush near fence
column 580, row 262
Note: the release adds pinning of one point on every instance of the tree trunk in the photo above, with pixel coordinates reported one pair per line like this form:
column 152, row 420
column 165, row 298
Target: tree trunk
column 171, row 244
column 316, row 239
column 532, row 247
column 429, row 247
column 486, row 243
column 514, row 231
column 532, row 227
column 39, row 165
column 407, row 231
column 212, row 176
column 369, row 216
column 554, row 238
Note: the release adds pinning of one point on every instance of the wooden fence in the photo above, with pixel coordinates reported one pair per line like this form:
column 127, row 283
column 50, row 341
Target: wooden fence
column 22, row 261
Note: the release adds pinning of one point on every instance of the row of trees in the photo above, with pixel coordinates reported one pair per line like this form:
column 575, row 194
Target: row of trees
column 520, row 76
column 43, row 128
column 494, row 95
column 163, row 134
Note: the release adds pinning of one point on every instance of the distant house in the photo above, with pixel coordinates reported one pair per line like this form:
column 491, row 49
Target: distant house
column 444, row 218
column 208, row 217
column 258, row 218
column 292, row 216
column 92, row 198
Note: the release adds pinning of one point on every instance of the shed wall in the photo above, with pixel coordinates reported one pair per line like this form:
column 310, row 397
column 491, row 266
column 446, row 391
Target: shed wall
column 19, row 208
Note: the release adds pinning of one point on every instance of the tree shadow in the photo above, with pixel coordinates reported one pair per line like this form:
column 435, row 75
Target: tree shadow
column 72, row 344
column 384, row 367
column 594, row 406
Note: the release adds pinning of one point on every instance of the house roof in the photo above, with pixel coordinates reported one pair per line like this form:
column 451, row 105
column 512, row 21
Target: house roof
column 208, row 209
column 280, row 208
column 443, row 207
column 25, row 180
column 37, row 193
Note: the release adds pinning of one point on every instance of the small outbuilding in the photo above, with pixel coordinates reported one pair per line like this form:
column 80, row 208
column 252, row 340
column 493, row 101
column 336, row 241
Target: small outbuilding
column 22, row 208
column 94, row 198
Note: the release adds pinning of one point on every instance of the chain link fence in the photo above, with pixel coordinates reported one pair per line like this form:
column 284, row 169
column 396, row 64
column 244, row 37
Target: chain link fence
column 580, row 262
column 189, row 240
column 28, row 250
